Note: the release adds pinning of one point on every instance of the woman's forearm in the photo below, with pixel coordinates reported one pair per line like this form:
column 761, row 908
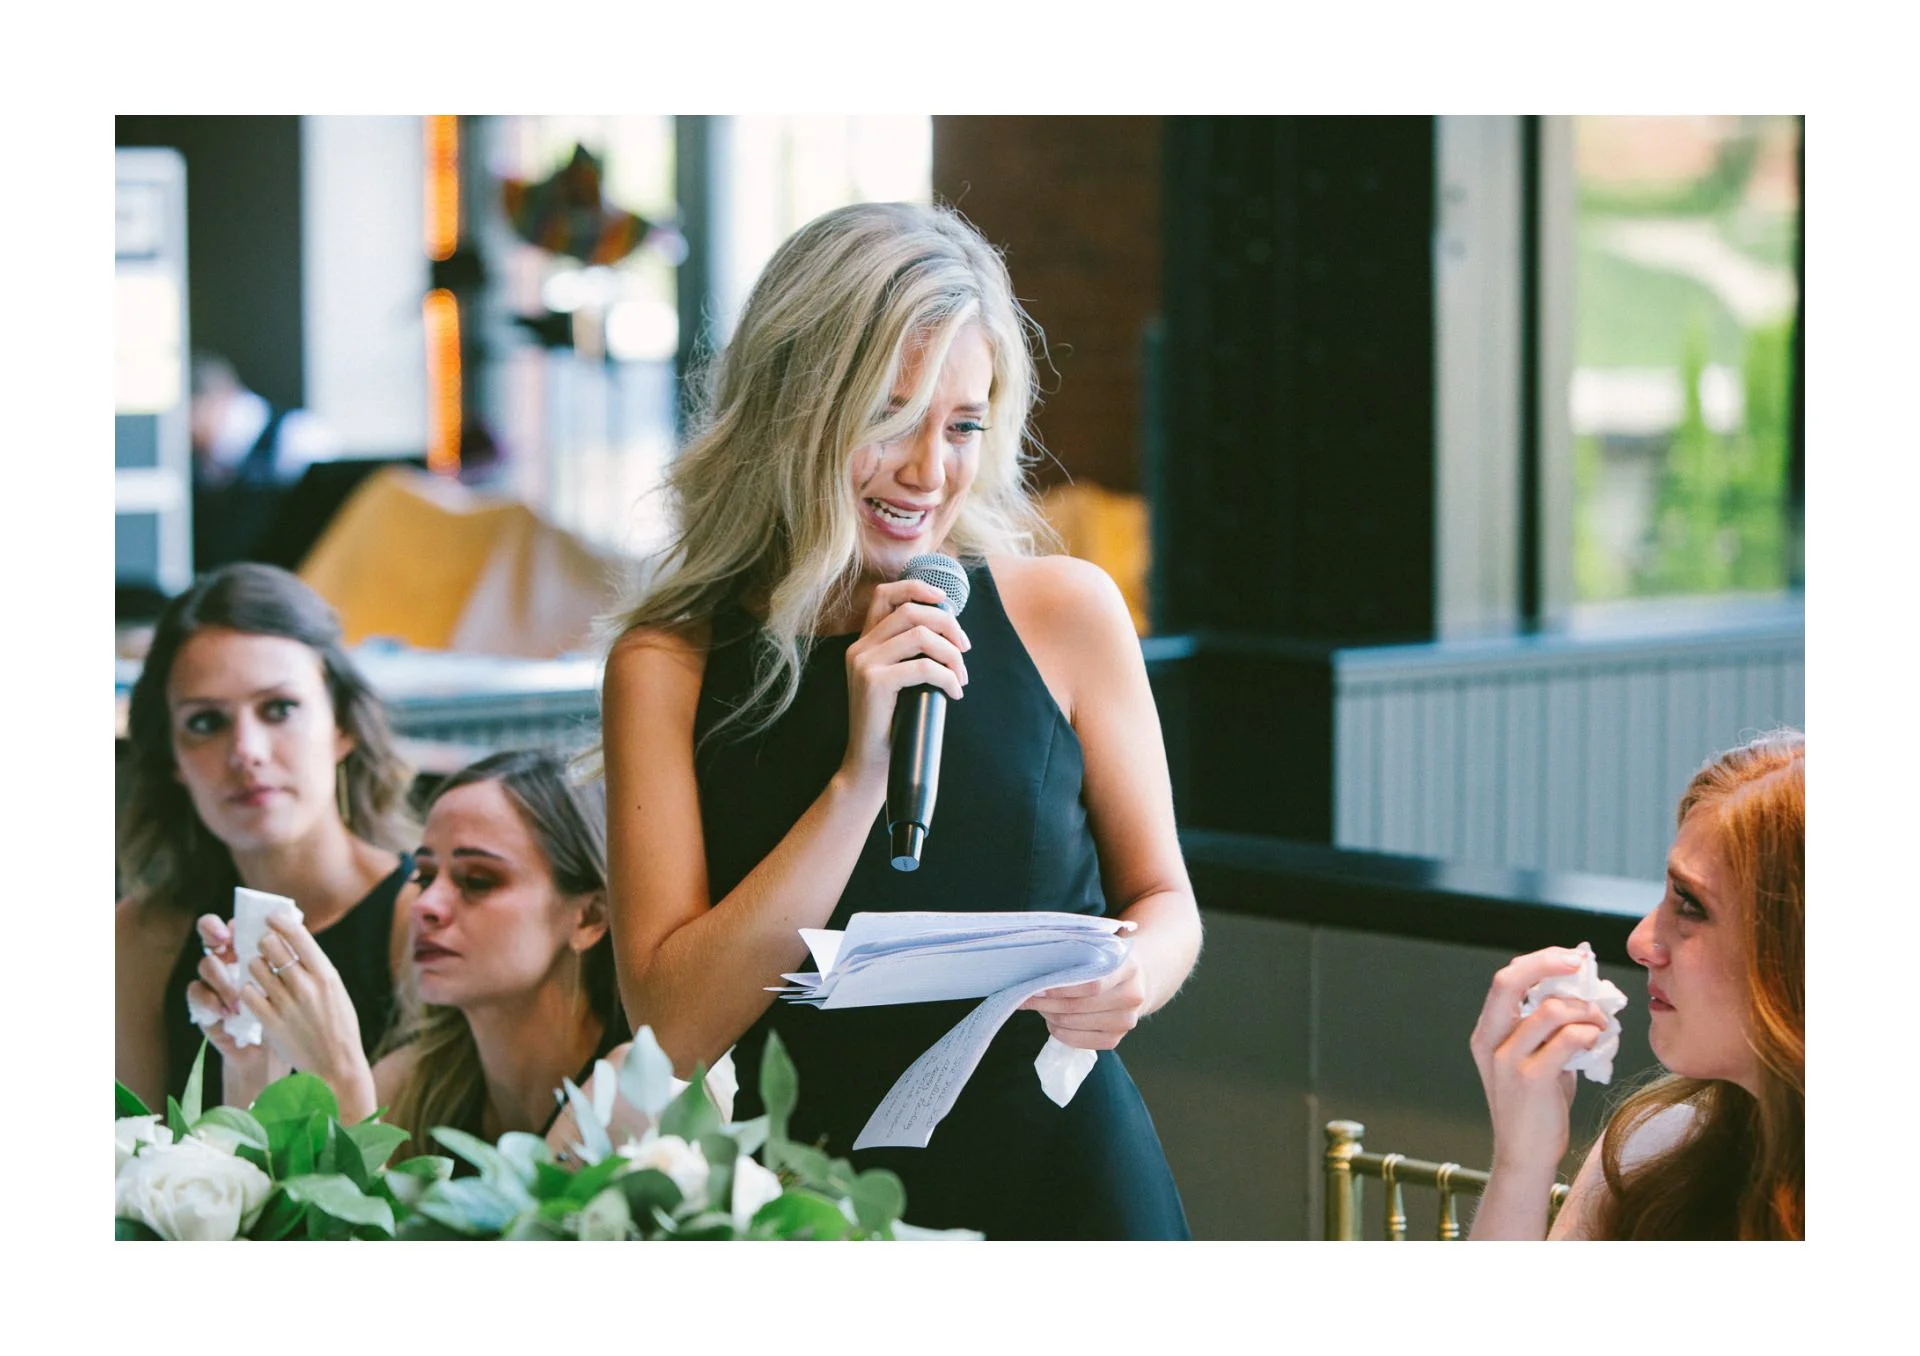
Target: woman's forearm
column 1166, row 942
column 706, row 982
column 1514, row 1205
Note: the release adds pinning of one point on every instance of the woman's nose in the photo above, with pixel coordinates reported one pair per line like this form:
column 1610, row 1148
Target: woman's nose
column 1642, row 945
column 430, row 906
column 924, row 467
column 249, row 741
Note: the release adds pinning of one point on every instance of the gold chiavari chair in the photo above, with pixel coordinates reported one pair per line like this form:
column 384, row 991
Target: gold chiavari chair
column 1349, row 1165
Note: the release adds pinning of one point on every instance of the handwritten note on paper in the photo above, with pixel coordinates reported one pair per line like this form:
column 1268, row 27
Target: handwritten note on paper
column 908, row 957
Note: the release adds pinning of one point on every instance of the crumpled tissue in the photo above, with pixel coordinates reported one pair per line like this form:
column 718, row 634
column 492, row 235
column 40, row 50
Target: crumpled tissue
column 1062, row 1068
column 1597, row 1063
column 251, row 909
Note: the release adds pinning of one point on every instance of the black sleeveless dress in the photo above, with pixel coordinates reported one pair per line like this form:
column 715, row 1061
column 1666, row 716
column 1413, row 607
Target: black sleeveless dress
column 1009, row 832
column 360, row 946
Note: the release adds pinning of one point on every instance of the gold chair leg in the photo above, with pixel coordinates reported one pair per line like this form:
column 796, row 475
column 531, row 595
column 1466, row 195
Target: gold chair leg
column 1343, row 1188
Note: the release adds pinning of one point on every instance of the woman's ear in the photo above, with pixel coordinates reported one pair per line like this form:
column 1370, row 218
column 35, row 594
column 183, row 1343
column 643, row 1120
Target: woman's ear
column 343, row 744
column 592, row 925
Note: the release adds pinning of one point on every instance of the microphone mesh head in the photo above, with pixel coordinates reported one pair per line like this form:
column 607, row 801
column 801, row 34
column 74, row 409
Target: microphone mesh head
column 944, row 573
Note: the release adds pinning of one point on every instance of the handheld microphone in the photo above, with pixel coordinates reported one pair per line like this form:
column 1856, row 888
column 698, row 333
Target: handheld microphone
column 919, row 723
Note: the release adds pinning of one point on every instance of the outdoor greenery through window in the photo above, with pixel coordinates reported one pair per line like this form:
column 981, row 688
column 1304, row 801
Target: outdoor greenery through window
column 1685, row 297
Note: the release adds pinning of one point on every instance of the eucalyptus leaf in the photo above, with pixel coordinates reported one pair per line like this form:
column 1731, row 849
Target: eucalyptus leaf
column 749, row 1135
column 691, row 1114
column 594, row 1144
column 520, row 1151
column 471, row 1148
column 336, row 1195
column 238, row 1123
column 878, row 1198
column 126, row 1102
column 718, row 1148
column 469, row 1204
column 607, row 1216
column 798, row 1214
column 191, row 1096
column 646, row 1074
column 535, row 1228
column 779, row 1086
column 708, row 1225
column 810, row 1165
column 375, row 1142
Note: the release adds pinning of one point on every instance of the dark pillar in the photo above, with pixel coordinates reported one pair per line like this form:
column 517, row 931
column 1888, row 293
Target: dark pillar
column 1292, row 479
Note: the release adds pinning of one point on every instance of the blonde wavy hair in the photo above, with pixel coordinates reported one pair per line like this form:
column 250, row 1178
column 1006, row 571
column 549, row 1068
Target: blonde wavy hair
column 759, row 498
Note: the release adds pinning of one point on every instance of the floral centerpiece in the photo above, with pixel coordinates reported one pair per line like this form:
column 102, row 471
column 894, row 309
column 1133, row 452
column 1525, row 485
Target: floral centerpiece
column 286, row 1168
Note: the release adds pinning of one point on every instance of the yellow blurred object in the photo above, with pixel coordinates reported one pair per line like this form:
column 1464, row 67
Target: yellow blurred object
column 428, row 561
column 1109, row 529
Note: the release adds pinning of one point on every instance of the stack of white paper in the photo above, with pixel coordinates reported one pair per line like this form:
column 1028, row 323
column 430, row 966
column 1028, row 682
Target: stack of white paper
column 1004, row 958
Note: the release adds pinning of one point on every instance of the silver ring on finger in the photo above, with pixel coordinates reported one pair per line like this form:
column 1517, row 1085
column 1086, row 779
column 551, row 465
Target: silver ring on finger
column 276, row 969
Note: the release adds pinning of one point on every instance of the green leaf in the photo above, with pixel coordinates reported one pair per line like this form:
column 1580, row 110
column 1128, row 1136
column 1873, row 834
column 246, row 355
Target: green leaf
column 798, row 1214
column 279, row 1218
column 805, row 1162
column 177, row 1119
column 126, row 1102
column 649, row 1191
column 587, row 1183
column 427, row 1167
column 749, row 1135
column 607, row 1216
column 779, row 1086
column 691, row 1114
column 520, row 1151
column 536, row 1229
column 323, row 1136
column 470, row 1147
column 234, row 1120
column 646, row 1074
column 705, row 1226
column 132, row 1230
column 190, row 1097
column 594, row 1144
column 879, row 1197
column 295, row 1098
column 470, row 1205
column 375, row 1143
column 335, row 1195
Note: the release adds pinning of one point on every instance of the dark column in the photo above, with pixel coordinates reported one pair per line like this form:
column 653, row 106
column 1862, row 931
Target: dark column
column 1292, row 478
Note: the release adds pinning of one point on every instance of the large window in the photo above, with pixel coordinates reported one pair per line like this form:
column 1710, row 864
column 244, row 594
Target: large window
column 581, row 379
column 1684, row 294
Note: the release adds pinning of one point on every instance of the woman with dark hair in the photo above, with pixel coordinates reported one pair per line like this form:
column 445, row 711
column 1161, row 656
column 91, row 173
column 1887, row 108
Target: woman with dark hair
column 259, row 757
column 511, row 967
column 1716, row 1148
column 872, row 406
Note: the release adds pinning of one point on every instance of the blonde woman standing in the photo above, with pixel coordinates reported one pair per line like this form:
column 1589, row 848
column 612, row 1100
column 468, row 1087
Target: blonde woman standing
column 873, row 406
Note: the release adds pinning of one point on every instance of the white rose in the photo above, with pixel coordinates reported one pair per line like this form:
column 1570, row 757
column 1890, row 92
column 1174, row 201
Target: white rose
column 130, row 1132
column 681, row 1161
column 753, row 1187
column 190, row 1190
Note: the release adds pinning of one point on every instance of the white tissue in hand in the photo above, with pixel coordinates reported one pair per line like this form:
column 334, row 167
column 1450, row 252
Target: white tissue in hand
column 1063, row 1068
column 1597, row 1063
column 251, row 909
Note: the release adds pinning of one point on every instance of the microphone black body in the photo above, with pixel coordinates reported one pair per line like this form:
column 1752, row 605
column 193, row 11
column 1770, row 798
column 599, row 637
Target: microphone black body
column 919, row 725
column 913, row 772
